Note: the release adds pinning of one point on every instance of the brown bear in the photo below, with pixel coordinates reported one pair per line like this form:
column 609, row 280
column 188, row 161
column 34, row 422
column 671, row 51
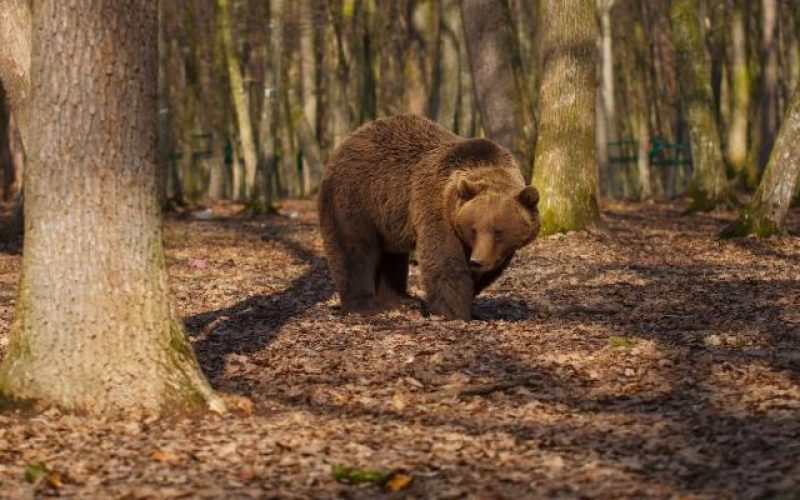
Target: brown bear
column 405, row 183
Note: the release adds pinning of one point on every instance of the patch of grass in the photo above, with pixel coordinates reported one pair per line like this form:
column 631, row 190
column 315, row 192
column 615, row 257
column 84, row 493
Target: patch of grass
column 622, row 342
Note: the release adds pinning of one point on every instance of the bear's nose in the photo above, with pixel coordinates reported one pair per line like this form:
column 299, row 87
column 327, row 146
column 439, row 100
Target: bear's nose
column 475, row 264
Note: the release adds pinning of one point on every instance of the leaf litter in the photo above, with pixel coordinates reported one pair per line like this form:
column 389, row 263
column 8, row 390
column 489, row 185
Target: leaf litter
column 648, row 360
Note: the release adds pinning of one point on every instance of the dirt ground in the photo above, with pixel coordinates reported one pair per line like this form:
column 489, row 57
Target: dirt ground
column 649, row 360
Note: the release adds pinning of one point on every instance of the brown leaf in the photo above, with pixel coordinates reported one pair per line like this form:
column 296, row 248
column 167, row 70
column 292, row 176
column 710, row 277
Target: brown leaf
column 398, row 481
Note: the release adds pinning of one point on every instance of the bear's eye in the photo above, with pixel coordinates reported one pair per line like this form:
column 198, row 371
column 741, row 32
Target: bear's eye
column 498, row 235
column 473, row 234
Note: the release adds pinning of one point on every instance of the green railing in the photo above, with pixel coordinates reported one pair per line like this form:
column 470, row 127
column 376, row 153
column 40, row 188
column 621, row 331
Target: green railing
column 661, row 153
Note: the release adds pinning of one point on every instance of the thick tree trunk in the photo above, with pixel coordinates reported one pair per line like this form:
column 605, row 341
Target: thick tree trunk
column 15, row 58
column 95, row 328
column 709, row 187
column 740, row 97
column 241, row 104
column 766, row 213
column 500, row 88
column 565, row 172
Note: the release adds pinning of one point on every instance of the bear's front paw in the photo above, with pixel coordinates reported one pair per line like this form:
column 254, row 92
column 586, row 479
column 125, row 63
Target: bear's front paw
column 438, row 308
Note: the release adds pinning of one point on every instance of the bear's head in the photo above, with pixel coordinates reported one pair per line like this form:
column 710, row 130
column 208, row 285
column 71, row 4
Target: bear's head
column 494, row 224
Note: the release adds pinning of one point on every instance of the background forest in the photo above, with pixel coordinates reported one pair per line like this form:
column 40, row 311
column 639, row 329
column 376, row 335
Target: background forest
column 255, row 94
column 310, row 71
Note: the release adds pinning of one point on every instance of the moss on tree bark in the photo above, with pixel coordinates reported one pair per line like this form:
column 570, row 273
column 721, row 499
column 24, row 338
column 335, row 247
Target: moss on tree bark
column 766, row 213
column 565, row 171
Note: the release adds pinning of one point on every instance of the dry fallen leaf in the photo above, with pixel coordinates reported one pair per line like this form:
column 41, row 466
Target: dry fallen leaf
column 397, row 481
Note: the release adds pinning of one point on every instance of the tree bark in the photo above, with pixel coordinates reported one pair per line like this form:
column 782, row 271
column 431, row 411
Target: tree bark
column 766, row 213
column 607, row 130
column 15, row 58
column 340, row 110
column 740, row 97
column 241, row 103
column 632, row 68
column 709, row 187
column 500, row 88
column 769, row 82
column 96, row 330
column 565, row 172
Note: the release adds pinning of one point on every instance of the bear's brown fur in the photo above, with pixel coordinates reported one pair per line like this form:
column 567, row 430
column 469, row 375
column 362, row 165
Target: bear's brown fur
column 405, row 183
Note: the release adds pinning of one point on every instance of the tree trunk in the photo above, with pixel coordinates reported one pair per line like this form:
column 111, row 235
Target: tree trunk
column 241, row 103
column 769, row 81
column 566, row 165
column 709, row 187
column 323, row 72
column 500, row 88
column 766, row 213
column 96, row 330
column 632, row 65
column 393, row 49
column 15, row 59
column 740, row 97
column 662, row 72
column 608, row 129
column 341, row 121
column 304, row 103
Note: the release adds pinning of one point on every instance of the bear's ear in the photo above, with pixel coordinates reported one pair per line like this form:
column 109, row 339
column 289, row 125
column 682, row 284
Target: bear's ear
column 468, row 189
column 528, row 197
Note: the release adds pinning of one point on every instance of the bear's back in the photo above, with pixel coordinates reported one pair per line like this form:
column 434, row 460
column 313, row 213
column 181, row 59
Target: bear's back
column 400, row 140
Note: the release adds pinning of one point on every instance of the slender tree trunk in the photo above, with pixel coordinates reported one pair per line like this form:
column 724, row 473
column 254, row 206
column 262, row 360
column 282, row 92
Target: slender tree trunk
column 566, row 164
column 10, row 151
column 121, row 347
column 213, row 113
column 339, row 93
column 709, row 187
column 766, row 213
column 450, row 86
column 164, row 147
column 740, row 97
column 393, row 47
column 323, row 72
column 662, row 72
column 607, row 130
column 241, row 103
column 500, row 88
column 769, row 83
column 304, row 105
column 632, row 67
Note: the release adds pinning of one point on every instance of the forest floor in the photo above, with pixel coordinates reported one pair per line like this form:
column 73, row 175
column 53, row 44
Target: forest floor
column 648, row 360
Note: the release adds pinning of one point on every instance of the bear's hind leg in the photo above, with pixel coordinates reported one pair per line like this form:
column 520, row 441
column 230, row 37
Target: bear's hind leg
column 361, row 250
column 353, row 252
column 392, row 283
